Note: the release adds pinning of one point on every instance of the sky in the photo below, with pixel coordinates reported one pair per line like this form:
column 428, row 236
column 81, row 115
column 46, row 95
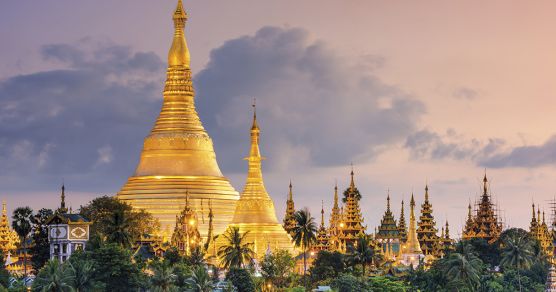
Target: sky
column 409, row 92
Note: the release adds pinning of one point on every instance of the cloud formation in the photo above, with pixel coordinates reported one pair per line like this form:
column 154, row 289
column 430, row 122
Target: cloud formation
column 525, row 156
column 85, row 121
column 425, row 144
column 314, row 107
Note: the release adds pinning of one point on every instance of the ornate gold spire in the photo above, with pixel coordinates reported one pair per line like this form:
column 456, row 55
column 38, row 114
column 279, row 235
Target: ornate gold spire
column 178, row 153
column 401, row 226
column 412, row 245
column 8, row 237
column 255, row 211
column 289, row 220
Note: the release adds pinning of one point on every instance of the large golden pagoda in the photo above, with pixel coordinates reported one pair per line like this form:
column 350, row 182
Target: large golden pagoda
column 411, row 250
column 255, row 211
column 178, row 154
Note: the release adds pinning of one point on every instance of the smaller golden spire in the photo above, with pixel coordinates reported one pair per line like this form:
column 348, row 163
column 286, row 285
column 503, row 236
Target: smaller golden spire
column 4, row 211
column 426, row 193
column 534, row 218
column 179, row 53
column 336, row 195
column 388, row 201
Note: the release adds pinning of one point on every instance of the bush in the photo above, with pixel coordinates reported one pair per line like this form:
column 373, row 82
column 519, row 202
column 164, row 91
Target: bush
column 241, row 279
column 349, row 283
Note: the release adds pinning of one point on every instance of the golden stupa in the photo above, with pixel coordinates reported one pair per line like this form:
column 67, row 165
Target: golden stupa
column 178, row 154
column 255, row 212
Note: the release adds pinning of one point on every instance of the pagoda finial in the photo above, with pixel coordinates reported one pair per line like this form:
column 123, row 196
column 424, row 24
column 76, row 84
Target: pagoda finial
column 322, row 214
column 255, row 125
column 352, row 182
column 186, row 196
column 543, row 217
column 538, row 214
column 402, row 215
column 534, row 218
column 388, row 201
column 179, row 53
column 290, row 194
column 485, row 182
column 426, row 192
column 63, row 208
column 447, row 229
column 4, row 211
column 469, row 212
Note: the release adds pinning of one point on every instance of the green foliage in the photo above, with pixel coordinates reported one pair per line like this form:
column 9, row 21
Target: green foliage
column 349, row 283
column 386, row 284
column 241, row 279
column 327, row 265
column 51, row 277
column 488, row 253
column 200, row 280
column 278, row 267
column 117, row 222
column 364, row 254
column 163, row 278
column 236, row 252
column 114, row 268
column 40, row 250
column 346, row 193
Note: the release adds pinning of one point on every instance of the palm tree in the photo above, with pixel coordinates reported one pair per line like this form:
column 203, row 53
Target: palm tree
column 304, row 233
column 463, row 267
column 51, row 278
column 236, row 252
column 200, row 280
column 21, row 223
column 517, row 252
column 119, row 228
column 79, row 275
column 163, row 279
column 364, row 253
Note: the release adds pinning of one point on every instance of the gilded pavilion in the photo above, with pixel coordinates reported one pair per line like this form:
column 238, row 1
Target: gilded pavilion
column 427, row 232
column 388, row 235
column 178, row 154
column 484, row 223
column 540, row 231
column 8, row 237
column 186, row 236
column 255, row 211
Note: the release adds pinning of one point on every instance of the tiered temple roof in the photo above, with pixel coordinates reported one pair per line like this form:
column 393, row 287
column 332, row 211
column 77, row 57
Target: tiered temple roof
column 402, row 226
column 427, row 232
column 485, row 223
column 539, row 230
column 289, row 220
column 388, row 234
column 323, row 239
column 334, row 226
column 352, row 219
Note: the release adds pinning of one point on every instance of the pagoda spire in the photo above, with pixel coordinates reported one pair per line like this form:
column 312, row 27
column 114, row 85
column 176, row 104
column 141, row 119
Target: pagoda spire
column 401, row 226
column 336, row 196
column 412, row 245
column 352, row 182
column 289, row 220
column 63, row 208
column 322, row 214
column 255, row 214
column 178, row 153
column 426, row 231
column 179, row 53
column 388, row 201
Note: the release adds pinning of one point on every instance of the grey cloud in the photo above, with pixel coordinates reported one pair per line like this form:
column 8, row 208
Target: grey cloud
column 425, row 144
column 85, row 122
column 466, row 93
column 525, row 156
column 313, row 105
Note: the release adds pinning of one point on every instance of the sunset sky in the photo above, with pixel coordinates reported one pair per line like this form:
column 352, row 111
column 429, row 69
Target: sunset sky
column 408, row 91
